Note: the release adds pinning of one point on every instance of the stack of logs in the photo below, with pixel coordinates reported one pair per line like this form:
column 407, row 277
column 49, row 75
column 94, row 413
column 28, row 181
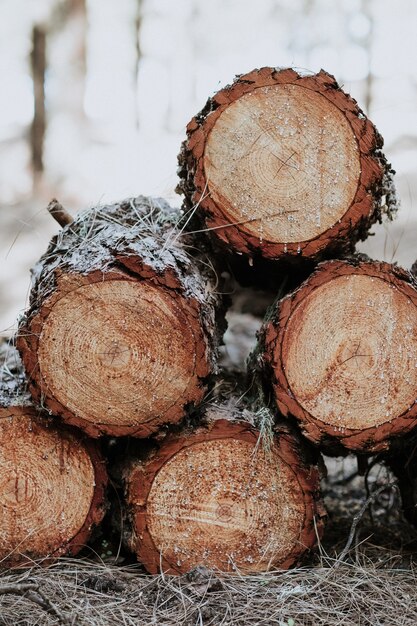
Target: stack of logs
column 282, row 174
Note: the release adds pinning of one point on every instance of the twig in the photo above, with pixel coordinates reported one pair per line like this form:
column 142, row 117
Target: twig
column 58, row 212
column 31, row 592
column 17, row 588
column 356, row 521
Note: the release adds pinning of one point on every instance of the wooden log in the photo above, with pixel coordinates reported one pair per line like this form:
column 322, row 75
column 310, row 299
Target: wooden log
column 124, row 322
column 340, row 355
column 230, row 495
column 279, row 165
column 52, row 491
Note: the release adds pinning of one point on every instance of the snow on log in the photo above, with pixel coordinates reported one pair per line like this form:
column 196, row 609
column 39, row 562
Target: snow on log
column 340, row 355
column 52, row 480
column 230, row 495
column 278, row 164
column 123, row 325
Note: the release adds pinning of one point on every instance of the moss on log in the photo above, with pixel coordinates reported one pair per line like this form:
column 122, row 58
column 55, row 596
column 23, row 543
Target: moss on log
column 124, row 321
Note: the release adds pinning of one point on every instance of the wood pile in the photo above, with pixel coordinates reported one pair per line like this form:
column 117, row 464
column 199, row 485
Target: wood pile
column 281, row 174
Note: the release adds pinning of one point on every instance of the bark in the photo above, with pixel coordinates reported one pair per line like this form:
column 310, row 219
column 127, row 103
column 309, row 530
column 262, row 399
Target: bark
column 230, row 494
column 52, row 480
column 340, row 355
column 279, row 165
column 124, row 321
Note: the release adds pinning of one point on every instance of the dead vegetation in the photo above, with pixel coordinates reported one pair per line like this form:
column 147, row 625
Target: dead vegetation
column 364, row 574
column 86, row 594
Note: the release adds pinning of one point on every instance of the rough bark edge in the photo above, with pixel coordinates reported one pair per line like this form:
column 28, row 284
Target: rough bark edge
column 136, row 232
column 368, row 440
column 139, row 238
column 365, row 209
column 98, row 504
column 28, row 342
column 13, row 383
column 139, row 477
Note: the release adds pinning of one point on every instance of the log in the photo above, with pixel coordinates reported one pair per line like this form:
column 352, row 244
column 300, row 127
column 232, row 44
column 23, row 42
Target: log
column 282, row 165
column 340, row 355
column 53, row 481
column 229, row 494
column 124, row 322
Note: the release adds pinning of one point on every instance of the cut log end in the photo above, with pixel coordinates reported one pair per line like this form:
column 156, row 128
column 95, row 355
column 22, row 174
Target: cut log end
column 52, row 489
column 118, row 356
column 343, row 352
column 293, row 171
column 218, row 498
column 283, row 165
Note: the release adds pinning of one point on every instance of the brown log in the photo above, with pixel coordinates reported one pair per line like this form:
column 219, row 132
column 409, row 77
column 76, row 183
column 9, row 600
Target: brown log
column 52, row 491
column 340, row 355
column 228, row 495
column 278, row 164
column 121, row 334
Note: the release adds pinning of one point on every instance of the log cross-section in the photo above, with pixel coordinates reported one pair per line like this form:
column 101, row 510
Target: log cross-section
column 340, row 354
column 281, row 164
column 124, row 323
column 219, row 497
column 52, row 480
column 51, row 488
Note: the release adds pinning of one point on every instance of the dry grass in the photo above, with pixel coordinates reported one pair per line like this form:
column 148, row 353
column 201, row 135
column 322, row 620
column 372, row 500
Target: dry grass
column 374, row 584
column 85, row 594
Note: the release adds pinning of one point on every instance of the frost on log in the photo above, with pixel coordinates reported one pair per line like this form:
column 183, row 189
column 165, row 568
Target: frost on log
column 279, row 164
column 230, row 494
column 340, row 354
column 123, row 325
column 52, row 480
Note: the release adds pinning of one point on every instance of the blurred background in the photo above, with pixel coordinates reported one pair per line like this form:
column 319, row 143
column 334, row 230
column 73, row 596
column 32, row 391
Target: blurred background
column 95, row 96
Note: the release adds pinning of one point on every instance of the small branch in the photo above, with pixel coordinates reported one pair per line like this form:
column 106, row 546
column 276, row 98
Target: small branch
column 17, row 588
column 31, row 592
column 59, row 214
column 356, row 521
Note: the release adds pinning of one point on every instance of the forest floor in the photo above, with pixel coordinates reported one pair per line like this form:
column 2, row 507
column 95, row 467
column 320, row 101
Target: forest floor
column 364, row 572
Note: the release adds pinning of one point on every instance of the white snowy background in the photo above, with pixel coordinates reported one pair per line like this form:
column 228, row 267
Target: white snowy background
column 125, row 76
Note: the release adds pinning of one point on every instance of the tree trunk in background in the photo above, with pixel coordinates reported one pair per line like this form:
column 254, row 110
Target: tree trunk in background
column 279, row 165
column 38, row 64
column 229, row 495
column 138, row 27
column 122, row 332
column 52, row 479
column 68, row 59
column 340, row 355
